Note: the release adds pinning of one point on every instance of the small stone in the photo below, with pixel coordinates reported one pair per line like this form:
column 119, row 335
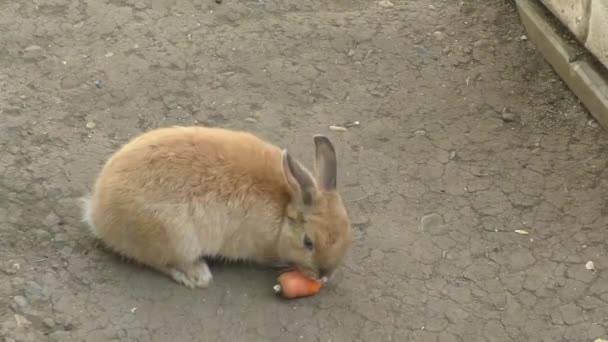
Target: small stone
column 337, row 128
column 453, row 155
column 439, row 35
column 42, row 234
column 12, row 269
column 32, row 53
column 508, row 117
column 66, row 322
column 421, row 49
column 351, row 53
column 91, row 125
column 66, row 252
column 524, row 37
column 431, row 221
column 251, row 120
column 32, row 48
column 592, row 123
column 359, row 221
column 22, row 321
column 17, row 282
column 51, row 220
column 590, row 265
column 420, row 132
column 35, row 292
column 61, row 237
column 521, row 232
column 20, row 301
column 385, row 4
column 109, row 54
column 49, row 322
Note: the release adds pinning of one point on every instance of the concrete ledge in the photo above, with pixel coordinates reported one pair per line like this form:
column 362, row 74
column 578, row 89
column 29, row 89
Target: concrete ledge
column 572, row 13
column 588, row 22
column 586, row 80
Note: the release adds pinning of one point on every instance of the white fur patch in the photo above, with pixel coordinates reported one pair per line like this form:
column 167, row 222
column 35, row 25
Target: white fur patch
column 87, row 213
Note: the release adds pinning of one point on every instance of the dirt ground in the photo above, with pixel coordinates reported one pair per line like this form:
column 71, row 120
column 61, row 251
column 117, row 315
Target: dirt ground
column 465, row 136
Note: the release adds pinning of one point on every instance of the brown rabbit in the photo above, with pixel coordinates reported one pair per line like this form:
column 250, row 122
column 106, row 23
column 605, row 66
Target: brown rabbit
column 173, row 196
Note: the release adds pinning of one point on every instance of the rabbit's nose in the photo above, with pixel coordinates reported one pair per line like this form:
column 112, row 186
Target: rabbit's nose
column 323, row 273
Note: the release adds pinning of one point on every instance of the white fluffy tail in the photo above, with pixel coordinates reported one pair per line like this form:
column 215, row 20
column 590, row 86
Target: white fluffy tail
column 87, row 213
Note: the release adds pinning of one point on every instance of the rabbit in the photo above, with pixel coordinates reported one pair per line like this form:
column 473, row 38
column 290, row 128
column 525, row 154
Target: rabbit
column 171, row 197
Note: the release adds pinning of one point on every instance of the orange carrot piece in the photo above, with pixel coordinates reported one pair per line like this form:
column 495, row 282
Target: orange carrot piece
column 294, row 284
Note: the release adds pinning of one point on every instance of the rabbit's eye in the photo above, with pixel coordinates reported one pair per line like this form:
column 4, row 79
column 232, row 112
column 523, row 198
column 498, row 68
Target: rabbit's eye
column 308, row 243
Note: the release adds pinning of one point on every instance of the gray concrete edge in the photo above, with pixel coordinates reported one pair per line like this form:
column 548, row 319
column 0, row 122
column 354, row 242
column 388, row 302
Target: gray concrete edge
column 583, row 78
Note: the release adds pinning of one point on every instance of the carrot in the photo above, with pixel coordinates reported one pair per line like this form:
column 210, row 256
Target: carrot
column 294, row 284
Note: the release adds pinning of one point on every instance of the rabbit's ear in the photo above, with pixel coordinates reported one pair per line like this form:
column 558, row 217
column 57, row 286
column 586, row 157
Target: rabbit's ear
column 326, row 164
column 301, row 183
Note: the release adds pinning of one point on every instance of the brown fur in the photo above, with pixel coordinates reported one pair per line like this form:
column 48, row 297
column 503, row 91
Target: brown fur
column 173, row 195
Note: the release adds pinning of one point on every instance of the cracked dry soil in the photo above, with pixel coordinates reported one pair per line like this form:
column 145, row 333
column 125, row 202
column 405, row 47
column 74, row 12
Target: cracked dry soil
column 466, row 135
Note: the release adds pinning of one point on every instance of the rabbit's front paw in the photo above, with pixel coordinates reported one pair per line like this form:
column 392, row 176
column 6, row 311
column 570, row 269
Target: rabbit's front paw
column 193, row 275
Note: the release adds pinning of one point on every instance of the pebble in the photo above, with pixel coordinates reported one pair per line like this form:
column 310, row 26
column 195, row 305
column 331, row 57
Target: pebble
column 453, row 155
column 109, row 54
column 250, row 119
column 421, row 49
column 35, row 292
column 420, row 132
column 32, row 52
column 590, row 265
column 20, row 301
column 42, row 234
column 66, row 322
column 22, row 321
column 51, row 220
column 385, row 4
column 32, row 48
column 337, row 128
column 17, row 282
column 508, row 117
column 91, row 125
column 13, row 268
column 61, row 237
column 431, row 221
column 439, row 35
column 49, row 322
column 351, row 53
column 592, row 123
column 66, row 252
